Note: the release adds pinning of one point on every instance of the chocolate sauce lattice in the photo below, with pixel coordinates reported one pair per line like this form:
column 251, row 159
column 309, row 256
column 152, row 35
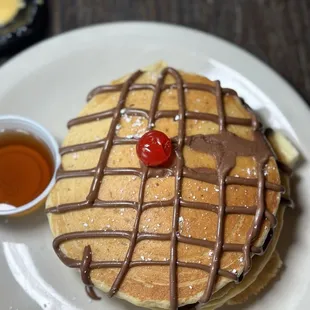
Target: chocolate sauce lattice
column 222, row 146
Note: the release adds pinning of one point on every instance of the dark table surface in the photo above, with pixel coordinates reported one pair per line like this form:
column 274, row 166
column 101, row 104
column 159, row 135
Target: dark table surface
column 276, row 31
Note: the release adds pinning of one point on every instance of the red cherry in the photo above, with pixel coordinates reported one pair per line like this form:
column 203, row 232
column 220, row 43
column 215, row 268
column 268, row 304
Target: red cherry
column 154, row 148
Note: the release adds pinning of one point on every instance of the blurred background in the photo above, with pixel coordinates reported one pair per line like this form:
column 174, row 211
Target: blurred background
column 276, row 31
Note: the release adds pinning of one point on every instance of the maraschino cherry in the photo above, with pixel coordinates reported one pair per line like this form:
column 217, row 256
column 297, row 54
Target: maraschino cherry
column 154, row 148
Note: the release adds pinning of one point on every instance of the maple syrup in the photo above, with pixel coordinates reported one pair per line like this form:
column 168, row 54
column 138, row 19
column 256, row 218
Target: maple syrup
column 26, row 167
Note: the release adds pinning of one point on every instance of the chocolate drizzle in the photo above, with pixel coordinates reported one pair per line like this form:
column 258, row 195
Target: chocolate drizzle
column 85, row 273
column 224, row 146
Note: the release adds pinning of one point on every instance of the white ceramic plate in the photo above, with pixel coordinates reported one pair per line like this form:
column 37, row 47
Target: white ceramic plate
column 49, row 83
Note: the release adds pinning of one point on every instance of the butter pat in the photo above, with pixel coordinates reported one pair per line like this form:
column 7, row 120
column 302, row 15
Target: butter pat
column 283, row 147
column 9, row 9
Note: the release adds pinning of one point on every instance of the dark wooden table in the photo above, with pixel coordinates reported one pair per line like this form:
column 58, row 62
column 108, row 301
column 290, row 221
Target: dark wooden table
column 276, row 31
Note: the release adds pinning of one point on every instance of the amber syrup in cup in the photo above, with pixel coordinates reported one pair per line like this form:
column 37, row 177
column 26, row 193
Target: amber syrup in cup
column 26, row 167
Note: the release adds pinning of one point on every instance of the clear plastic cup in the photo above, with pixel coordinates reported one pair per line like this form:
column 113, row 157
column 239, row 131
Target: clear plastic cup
column 14, row 122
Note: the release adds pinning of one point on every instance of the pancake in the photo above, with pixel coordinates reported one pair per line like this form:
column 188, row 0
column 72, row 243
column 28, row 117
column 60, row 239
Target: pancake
column 174, row 235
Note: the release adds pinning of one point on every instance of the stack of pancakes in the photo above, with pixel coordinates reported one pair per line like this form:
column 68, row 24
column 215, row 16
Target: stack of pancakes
column 165, row 237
